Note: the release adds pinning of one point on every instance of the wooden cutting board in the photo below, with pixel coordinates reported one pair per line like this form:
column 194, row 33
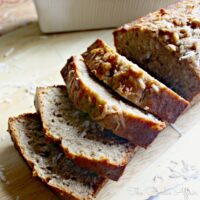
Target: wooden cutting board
column 29, row 59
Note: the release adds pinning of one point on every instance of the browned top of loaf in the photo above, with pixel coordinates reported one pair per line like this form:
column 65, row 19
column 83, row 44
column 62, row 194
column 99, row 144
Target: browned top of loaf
column 132, row 82
column 177, row 27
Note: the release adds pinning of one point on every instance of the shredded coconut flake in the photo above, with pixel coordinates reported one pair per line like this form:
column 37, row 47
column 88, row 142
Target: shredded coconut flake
column 9, row 52
column 146, row 108
column 141, row 82
column 172, row 47
column 188, row 54
column 155, row 88
column 126, row 27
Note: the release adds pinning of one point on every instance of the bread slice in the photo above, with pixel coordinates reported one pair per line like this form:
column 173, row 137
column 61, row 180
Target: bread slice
column 166, row 44
column 49, row 163
column 83, row 140
column 111, row 113
column 133, row 83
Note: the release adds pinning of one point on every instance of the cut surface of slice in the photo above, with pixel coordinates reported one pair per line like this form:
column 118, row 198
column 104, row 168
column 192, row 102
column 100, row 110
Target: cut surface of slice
column 49, row 163
column 124, row 120
column 83, row 140
column 132, row 82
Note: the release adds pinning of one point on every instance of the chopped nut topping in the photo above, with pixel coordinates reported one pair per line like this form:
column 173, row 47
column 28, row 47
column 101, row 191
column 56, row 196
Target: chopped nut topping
column 97, row 58
column 142, row 83
column 155, row 88
column 175, row 37
column 126, row 27
column 107, row 65
column 196, row 23
column 179, row 22
column 106, row 56
column 163, row 12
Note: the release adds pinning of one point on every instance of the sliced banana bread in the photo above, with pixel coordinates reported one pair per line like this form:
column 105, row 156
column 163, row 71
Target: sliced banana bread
column 48, row 162
column 111, row 113
column 167, row 44
column 133, row 83
column 85, row 141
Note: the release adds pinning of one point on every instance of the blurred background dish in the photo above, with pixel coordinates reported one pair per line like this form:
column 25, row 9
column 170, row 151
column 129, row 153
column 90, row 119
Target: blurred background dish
column 72, row 15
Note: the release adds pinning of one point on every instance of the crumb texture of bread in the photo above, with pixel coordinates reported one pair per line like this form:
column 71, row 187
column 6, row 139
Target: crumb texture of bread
column 49, row 163
column 166, row 43
column 132, row 82
column 104, row 107
column 83, row 140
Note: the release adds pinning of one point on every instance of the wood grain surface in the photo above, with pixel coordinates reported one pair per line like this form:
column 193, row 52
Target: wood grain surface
column 28, row 59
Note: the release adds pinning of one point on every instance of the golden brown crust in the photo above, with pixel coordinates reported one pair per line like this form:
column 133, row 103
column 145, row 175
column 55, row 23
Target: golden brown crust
column 138, row 130
column 132, row 83
column 103, row 167
column 63, row 194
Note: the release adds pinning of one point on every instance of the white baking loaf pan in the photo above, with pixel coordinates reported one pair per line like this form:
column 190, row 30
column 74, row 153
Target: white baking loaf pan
column 72, row 15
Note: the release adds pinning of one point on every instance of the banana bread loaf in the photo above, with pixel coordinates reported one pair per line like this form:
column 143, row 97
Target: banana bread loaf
column 133, row 83
column 103, row 107
column 49, row 163
column 166, row 43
